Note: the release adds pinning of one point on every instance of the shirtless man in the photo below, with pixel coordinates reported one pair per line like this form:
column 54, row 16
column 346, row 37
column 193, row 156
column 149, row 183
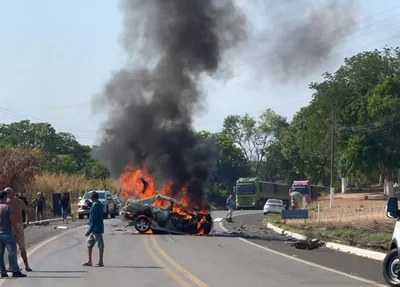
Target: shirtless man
column 18, row 206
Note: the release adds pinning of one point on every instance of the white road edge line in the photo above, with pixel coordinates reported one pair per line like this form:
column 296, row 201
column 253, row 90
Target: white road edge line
column 307, row 262
column 36, row 247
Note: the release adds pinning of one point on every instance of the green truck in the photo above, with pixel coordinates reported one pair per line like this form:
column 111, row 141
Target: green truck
column 251, row 193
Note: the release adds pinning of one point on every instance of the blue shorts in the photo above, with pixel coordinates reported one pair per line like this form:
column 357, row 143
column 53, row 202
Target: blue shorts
column 93, row 238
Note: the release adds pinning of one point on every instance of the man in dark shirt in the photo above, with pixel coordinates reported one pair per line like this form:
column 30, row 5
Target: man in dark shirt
column 40, row 206
column 96, row 229
column 7, row 238
column 64, row 202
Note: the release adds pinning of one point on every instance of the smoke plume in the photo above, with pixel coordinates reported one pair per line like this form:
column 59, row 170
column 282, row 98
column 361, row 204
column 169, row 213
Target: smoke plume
column 303, row 36
column 151, row 102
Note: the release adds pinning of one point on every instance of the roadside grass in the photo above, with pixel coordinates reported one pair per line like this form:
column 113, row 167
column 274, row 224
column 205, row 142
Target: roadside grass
column 373, row 236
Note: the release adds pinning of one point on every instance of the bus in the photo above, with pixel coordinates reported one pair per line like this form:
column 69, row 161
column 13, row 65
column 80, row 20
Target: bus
column 253, row 193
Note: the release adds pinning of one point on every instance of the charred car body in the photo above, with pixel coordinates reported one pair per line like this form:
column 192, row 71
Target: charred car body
column 148, row 215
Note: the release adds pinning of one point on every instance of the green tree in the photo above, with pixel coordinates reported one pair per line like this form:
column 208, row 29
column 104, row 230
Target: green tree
column 254, row 137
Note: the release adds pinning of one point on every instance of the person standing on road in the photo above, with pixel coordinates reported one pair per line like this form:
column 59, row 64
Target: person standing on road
column 7, row 238
column 64, row 203
column 40, row 206
column 96, row 230
column 18, row 206
column 25, row 200
column 229, row 205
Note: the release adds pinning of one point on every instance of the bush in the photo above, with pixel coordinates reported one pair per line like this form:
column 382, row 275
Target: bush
column 18, row 168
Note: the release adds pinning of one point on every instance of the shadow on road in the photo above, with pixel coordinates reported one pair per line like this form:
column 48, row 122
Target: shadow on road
column 55, row 277
column 57, row 271
column 264, row 237
column 134, row 267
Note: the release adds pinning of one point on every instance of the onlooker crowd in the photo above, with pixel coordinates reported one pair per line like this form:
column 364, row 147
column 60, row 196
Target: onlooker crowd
column 15, row 217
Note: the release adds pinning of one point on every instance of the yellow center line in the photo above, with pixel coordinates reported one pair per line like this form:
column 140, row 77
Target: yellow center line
column 171, row 273
column 178, row 267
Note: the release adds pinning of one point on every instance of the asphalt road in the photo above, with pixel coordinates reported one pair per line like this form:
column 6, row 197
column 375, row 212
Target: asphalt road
column 165, row 260
column 351, row 264
column 35, row 234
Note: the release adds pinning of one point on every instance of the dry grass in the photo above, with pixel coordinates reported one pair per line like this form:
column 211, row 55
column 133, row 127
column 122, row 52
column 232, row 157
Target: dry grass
column 75, row 184
column 350, row 207
column 350, row 201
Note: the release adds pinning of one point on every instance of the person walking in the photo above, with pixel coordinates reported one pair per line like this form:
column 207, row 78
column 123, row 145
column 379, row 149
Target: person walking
column 18, row 206
column 64, row 203
column 96, row 230
column 229, row 205
column 7, row 238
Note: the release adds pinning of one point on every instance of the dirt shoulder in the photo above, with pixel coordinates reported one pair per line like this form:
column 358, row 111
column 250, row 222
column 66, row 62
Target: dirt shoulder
column 373, row 235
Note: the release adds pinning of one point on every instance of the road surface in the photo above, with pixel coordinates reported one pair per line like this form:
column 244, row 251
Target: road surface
column 164, row 260
column 344, row 262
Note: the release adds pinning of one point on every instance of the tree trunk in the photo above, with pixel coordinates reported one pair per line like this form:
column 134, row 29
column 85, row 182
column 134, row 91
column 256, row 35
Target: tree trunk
column 389, row 184
column 344, row 183
column 380, row 180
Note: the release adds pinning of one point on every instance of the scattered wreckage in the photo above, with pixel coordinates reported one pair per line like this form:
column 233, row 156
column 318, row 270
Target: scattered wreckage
column 308, row 244
column 164, row 214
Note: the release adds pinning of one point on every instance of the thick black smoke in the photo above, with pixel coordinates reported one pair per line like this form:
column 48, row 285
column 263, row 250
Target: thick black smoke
column 151, row 102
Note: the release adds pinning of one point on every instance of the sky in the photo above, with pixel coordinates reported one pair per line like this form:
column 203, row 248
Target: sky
column 56, row 55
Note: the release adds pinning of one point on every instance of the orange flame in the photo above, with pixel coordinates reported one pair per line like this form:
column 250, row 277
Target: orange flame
column 132, row 187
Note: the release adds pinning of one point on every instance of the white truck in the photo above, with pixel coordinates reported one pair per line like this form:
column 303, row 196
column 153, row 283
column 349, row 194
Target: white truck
column 391, row 263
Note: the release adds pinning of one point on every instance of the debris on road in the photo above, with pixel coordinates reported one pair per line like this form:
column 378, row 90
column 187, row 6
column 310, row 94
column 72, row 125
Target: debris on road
column 308, row 244
column 60, row 227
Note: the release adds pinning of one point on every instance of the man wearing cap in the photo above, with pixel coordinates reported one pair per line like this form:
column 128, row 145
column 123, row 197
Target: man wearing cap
column 7, row 239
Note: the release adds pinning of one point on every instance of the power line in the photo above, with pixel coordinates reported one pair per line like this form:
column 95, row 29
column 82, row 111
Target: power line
column 14, row 114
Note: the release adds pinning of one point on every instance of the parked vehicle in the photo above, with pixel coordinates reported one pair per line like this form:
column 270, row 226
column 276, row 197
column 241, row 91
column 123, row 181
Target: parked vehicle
column 253, row 193
column 274, row 206
column 105, row 197
column 391, row 263
column 119, row 204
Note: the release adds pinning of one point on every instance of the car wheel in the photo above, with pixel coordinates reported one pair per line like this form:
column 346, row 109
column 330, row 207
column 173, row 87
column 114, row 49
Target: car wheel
column 88, row 215
column 112, row 215
column 105, row 216
column 142, row 224
column 205, row 228
column 81, row 216
column 391, row 268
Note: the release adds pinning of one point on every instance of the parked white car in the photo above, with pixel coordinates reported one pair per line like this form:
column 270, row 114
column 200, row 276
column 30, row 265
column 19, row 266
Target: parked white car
column 273, row 206
column 109, row 204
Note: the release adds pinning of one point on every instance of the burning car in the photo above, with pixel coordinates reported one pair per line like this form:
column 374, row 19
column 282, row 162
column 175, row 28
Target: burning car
column 164, row 214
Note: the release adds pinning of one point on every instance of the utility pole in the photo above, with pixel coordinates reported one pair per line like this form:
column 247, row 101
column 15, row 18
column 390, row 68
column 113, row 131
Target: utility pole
column 332, row 182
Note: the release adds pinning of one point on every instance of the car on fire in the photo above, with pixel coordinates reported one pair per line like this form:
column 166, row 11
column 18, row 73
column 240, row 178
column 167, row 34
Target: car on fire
column 164, row 214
